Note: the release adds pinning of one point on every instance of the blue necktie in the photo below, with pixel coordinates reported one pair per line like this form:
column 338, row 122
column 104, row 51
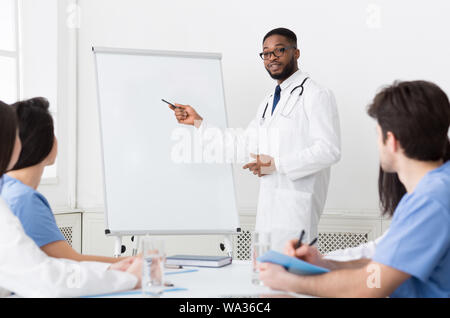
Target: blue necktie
column 276, row 98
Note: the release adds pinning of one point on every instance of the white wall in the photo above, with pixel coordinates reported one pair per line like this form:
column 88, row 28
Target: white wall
column 350, row 46
column 47, row 68
column 39, row 56
column 40, row 50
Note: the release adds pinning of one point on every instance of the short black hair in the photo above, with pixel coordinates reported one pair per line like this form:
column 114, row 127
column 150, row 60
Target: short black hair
column 8, row 132
column 36, row 131
column 288, row 34
column 418, row 114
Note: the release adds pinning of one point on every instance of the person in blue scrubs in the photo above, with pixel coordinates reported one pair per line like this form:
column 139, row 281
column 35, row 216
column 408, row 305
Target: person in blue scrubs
column 413, row 259
column 33, row 210
column 39, row 150
column 418, row 239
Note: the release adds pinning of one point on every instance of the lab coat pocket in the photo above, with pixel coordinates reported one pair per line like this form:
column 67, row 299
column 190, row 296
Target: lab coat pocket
column 292, row 210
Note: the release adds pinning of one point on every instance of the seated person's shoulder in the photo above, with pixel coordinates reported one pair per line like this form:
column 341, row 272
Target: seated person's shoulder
column 21, row 197
column 437, row 188
column 14, row 191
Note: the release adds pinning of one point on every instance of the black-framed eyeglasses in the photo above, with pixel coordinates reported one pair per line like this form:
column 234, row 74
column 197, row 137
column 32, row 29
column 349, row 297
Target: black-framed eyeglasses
column 278, row 52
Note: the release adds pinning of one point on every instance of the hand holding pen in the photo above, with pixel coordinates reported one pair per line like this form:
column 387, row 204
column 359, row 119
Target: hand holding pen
column 185, row 114
column 299, row 242
column 305, row 252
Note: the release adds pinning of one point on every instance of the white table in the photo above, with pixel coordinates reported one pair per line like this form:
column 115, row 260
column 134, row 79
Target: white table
column 231, row 281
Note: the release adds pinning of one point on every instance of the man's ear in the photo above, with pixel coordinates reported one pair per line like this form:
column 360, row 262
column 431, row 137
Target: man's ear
column 297, row 54
column 392, row 142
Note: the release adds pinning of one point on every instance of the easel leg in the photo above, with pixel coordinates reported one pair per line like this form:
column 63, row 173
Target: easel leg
column 135, row 245
column 118, row 246
column 227, row 245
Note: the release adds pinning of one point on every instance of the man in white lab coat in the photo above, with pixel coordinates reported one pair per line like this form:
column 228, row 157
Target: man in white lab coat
column 297, row 125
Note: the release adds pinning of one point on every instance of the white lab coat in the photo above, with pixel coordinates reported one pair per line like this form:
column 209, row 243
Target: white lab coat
column 366, row 250
column 303, row 136
column 293, row 198
column 29, row 272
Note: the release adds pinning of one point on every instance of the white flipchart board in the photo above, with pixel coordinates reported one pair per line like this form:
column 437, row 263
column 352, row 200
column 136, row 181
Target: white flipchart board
column 145, row 190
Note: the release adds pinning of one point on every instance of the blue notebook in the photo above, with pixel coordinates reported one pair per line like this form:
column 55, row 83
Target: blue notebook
column 292, row 264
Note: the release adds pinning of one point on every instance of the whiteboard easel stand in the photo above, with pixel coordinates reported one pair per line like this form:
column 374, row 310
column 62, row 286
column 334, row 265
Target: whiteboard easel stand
column 136, row 240
column 226, row 246
column 119, row 248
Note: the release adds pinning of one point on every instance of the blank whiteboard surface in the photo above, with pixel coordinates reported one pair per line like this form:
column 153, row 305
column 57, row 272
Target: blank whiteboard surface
column 145, row 190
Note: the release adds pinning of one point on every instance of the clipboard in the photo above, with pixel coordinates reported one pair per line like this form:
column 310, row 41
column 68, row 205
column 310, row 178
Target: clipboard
column 292, row 264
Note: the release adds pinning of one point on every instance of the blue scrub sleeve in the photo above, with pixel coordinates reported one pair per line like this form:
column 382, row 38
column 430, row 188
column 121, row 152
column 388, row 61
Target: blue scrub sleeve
column 38, row 221
column 416, row 242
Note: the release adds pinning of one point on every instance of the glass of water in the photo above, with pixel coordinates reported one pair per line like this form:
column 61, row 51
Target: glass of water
column 154, row 257
column 261, row 243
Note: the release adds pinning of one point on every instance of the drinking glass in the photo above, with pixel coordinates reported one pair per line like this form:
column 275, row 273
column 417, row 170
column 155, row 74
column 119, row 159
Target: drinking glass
column 154, row 257
column 261, row 243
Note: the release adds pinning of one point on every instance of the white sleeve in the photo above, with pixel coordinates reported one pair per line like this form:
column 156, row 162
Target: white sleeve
column 366, row 250
column 29, row 272
column 325, row 149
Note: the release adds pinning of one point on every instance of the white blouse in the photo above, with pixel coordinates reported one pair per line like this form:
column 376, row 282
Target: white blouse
column 366, row 250
column 28, row 272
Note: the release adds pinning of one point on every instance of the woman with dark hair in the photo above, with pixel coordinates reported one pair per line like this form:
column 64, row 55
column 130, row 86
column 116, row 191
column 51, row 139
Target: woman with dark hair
column 39, row 149
column 25, row 269
column 10, row 141
column 390, row 190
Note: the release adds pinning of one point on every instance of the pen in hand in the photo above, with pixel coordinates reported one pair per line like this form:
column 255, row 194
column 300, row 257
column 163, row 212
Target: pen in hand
column 299, row 243
column 313, row 242
column 171, row 104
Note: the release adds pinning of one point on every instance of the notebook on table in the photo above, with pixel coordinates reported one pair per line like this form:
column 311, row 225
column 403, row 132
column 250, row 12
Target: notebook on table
column 199, row 260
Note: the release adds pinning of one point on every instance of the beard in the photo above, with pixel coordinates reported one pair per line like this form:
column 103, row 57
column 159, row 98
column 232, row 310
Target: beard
column 288, row 70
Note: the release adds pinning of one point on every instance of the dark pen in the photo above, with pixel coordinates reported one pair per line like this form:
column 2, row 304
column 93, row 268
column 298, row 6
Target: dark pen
column 169, row 103
column 313, row 241
column 299, row 243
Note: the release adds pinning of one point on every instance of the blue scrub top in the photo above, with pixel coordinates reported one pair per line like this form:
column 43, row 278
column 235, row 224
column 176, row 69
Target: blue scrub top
column 418, row 241
column 33, row 211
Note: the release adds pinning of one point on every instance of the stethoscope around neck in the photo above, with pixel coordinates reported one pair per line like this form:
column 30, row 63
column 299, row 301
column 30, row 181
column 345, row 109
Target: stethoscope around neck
column 263, row 118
